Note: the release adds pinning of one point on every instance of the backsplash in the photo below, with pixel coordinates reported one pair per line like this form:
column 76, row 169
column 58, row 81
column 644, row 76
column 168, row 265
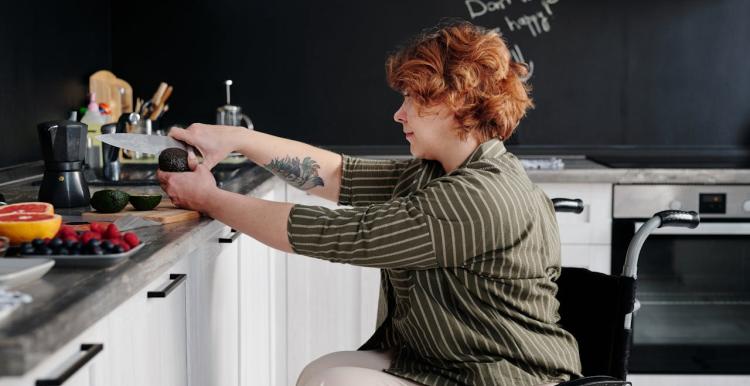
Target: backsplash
column 48, row 49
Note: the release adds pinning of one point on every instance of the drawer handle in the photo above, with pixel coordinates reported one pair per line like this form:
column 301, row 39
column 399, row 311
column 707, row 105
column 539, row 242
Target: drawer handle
column 176, row 278
column 90, row 349
column 230, row 239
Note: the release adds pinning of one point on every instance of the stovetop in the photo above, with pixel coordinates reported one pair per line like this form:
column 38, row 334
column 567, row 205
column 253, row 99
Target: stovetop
column 667, row 161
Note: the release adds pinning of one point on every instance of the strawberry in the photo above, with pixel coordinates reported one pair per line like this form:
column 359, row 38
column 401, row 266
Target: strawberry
column 97, row 227
column 86, row 236
column 112, row 232
column 131, row 238
column 66, row 231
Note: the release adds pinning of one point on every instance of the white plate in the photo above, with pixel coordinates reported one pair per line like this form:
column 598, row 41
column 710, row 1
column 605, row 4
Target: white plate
column 17, row 271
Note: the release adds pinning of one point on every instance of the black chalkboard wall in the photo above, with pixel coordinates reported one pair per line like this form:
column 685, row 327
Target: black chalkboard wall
column 48, row 49
column 606, row 73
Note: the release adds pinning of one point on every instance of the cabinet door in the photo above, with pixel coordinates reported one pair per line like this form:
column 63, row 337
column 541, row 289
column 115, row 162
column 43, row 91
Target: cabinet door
column 255, row 310
column 258, row 356
column 132, row 353
column 88, row 351
column 594, row 224
column 213, row 309
column 167, row 302
column 147, row 342
column 329, row 306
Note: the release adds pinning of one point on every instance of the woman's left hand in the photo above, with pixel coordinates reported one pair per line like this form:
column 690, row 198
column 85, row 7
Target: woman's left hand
column 190, row 190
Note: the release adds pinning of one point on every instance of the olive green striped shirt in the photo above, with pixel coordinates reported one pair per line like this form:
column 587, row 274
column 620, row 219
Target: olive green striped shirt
column 467, row 264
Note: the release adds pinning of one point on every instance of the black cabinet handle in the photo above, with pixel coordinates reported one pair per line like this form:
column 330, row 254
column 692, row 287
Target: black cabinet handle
column 176, row 278
column 230, row 239
column 90, row 349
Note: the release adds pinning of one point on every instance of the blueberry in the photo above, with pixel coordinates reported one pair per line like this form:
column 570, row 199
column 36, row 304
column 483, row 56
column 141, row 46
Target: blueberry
column 37, row 242
column 56, row 243
column 94, row 243
column 63, row 251
column 43, row 250
column 27, row 249
column 107, row 245
column 117, row 249
column 97, row 250
column 69, row 243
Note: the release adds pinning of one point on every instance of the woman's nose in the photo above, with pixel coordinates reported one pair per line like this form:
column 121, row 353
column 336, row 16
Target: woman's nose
column 400, row 115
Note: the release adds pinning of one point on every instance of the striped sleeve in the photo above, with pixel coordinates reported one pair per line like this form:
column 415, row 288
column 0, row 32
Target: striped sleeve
column 368, row 181
column 388, row 235
column 445, row 224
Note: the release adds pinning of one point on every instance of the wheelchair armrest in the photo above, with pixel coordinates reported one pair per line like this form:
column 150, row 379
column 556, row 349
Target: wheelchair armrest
column 597, row 380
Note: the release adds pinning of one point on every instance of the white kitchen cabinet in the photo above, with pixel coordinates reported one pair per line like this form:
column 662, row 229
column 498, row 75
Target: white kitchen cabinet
column 88, row 351
column 330, row 307
column 167, row 302
column 259, row 356
column 147, row 340
column 586, row 238
column 213, row 312
column 130, row 353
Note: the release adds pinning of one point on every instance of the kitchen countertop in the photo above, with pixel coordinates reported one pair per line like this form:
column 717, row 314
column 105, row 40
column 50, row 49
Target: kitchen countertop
column 68, row 300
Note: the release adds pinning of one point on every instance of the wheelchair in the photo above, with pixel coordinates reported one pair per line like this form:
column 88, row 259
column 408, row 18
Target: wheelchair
column 597, row 309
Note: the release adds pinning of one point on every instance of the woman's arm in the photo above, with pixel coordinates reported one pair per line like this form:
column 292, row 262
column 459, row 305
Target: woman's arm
column 263, row 220
column 302, row 166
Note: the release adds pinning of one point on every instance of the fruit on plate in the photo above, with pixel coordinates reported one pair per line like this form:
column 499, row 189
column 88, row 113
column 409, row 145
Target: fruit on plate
column 24, row 227
column 99, row 240
column 173, row 159
column 145, row 202
column 109, row 200
column 27, row 207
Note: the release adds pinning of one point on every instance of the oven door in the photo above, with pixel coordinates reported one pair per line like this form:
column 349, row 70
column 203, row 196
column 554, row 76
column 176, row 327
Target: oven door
column 694, row 292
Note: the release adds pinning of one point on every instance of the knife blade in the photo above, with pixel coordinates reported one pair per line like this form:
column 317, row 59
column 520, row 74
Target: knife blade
column 143, row 143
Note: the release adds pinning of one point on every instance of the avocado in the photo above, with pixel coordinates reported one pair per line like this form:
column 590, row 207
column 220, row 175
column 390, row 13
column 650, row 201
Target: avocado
column 145, row 202
column 174, row 159
column 109, row 201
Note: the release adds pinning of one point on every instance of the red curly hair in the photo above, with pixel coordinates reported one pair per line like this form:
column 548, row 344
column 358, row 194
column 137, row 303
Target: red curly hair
column 469, row 69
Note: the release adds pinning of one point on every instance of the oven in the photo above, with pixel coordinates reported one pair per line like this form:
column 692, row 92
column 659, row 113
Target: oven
column 693, row 284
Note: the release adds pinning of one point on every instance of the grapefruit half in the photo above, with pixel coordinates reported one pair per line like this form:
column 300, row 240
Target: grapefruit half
column 24, row 227
column 27, row 207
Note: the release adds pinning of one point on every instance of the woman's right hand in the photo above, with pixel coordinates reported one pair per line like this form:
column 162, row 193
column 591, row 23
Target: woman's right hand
column 213, row 141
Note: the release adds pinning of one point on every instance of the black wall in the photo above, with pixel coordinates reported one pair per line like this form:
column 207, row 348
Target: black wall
column 48, row 49
column 606, row 73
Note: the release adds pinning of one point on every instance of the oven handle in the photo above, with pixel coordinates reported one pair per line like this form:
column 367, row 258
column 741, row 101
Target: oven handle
column 706, row 228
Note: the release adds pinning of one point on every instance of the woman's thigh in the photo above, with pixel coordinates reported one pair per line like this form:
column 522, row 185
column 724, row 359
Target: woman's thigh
column 351, row 368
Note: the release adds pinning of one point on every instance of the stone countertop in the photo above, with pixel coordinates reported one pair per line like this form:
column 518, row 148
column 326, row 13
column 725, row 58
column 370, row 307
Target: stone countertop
column 579, row 169
column 642, row 176
column 66, row 301
column 69, row 300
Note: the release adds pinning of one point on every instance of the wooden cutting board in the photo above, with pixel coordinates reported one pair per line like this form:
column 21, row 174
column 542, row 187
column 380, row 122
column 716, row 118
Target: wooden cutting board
column 165, row 213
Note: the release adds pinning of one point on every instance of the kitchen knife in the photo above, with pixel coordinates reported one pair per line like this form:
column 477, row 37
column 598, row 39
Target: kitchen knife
column 144, row 143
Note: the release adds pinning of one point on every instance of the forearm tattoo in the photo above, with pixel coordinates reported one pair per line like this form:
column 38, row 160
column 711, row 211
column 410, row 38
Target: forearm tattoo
column 303, row 175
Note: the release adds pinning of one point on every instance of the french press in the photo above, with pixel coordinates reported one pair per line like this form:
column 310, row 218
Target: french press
column 231, row 115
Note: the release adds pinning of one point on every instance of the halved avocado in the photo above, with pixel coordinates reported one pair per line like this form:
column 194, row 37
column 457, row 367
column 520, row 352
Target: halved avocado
column 174, row 159
column 145, row 202
column 109, row 200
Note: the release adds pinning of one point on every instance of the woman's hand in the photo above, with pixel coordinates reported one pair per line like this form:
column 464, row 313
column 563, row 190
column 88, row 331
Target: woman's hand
column 214, row 142
column 191, row 190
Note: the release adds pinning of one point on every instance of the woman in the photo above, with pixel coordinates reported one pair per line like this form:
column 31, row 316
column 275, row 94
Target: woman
column 468, row 247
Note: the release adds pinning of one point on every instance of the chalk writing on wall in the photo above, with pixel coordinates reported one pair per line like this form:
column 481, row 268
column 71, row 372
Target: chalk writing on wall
column 536, row 23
